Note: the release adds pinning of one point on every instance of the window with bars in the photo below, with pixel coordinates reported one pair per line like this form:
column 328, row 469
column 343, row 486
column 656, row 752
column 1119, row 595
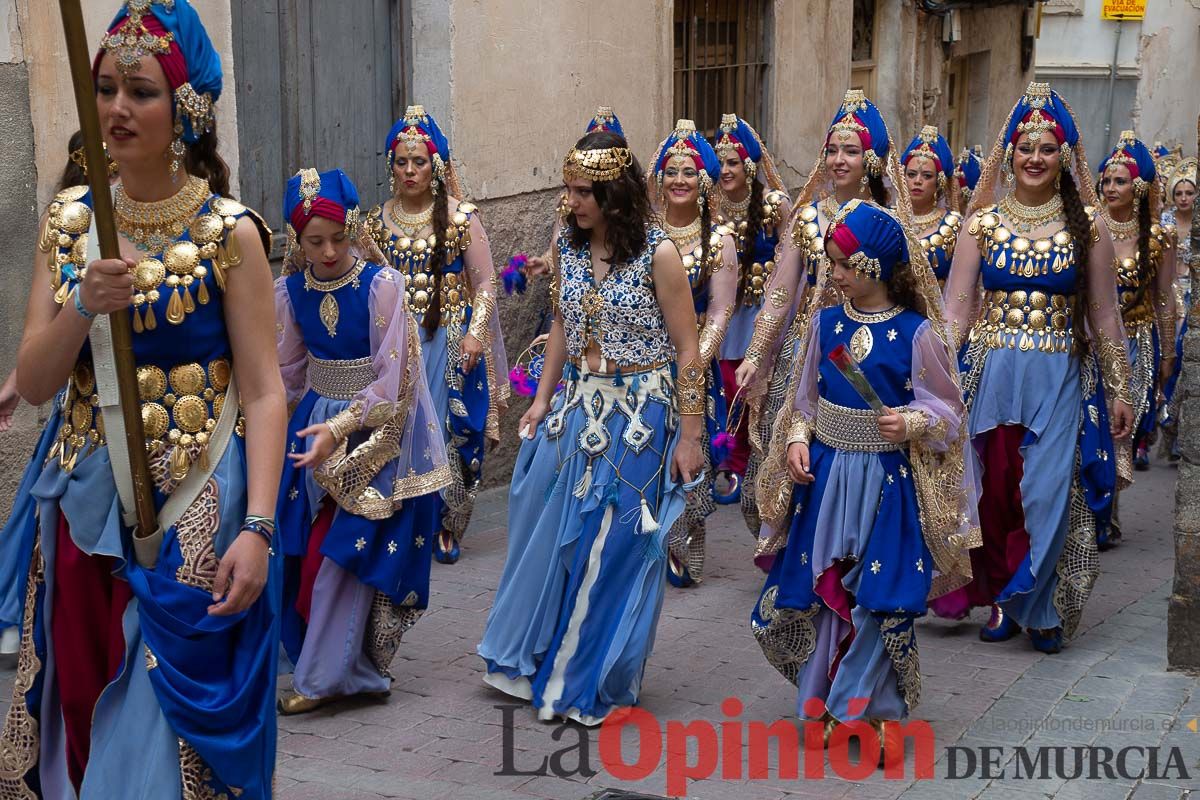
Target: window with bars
column 721, row 61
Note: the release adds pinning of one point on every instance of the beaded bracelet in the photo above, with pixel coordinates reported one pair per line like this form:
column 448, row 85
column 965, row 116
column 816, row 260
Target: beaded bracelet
column 83, row 312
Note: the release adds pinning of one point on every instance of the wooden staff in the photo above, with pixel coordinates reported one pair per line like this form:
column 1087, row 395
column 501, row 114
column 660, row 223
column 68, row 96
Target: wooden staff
column 106, row 231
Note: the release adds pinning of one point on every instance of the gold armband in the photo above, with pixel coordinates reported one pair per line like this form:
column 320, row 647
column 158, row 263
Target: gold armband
column 345, row 422
column 689, row 389
column 482, row 309
column 1114, row 367
column 766, row 330
column 711, row 336
column 1165, row 320
column 799, row 431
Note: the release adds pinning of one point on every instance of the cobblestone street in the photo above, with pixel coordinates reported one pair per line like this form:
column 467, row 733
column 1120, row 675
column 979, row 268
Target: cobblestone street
column 439, row 735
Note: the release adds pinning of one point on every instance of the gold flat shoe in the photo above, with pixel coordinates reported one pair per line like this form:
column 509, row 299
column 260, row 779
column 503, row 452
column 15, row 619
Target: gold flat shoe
column 296, row 703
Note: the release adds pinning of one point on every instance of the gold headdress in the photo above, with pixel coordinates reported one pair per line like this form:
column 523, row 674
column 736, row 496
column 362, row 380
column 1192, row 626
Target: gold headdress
column 1185, row 171
column 604, row 164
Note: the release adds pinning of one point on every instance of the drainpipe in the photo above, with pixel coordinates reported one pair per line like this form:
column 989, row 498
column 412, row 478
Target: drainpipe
column 1112, row 82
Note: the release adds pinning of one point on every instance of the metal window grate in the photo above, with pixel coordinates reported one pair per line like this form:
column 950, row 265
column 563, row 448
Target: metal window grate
column 721, row 61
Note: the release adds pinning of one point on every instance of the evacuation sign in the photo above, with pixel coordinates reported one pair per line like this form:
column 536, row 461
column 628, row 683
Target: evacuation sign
column 1123, row 9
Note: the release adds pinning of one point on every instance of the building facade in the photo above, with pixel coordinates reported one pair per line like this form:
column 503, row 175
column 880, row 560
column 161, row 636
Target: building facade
column 317, row 83
column 1157, row 69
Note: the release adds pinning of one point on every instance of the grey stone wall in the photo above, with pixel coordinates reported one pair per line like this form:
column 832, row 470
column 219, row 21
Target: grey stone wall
column 18, row 239
column 1183, row 610
column 521, row 223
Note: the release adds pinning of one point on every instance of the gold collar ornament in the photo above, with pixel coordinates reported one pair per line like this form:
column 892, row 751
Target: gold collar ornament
column 603, row 164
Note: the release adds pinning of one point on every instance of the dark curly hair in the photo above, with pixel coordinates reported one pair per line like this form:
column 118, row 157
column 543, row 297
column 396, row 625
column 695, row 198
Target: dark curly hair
column 879, row 192
column 902, row 289
column 204, row 161
column 73, row 174
column 441, row 225
column 623, row 202
column 1146, row 269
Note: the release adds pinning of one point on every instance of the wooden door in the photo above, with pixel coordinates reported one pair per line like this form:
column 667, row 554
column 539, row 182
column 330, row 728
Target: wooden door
column 318, row 85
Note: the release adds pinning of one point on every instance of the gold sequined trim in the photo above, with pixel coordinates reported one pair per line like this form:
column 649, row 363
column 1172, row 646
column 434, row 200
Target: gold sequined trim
column 340, row 379
column 196, row 532
column 195, row 777
column 20, row 740
column 789, row 636
column 853, row 429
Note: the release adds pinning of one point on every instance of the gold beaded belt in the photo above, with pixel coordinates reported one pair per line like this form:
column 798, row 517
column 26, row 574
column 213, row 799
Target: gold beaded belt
column 1027, row 320
column 180, row 408
column 847, row 428
column 340, row 379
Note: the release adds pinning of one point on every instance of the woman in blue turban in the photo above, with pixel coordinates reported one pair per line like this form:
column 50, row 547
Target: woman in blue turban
column 872, row 455
column 856, row 156
column 153, row 648
column 685, row 179
column 966, row 173
column 1145, row 265
column 929, row 172
column 433, row 236
column 1045, row 374
column 358, row 509
column 754, row 205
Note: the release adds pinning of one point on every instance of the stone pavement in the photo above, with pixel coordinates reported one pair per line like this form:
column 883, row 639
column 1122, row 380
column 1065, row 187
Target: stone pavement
column 440, row 734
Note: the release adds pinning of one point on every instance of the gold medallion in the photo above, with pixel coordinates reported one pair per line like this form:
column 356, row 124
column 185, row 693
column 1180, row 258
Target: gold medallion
column 861, row 343
column 329, row 313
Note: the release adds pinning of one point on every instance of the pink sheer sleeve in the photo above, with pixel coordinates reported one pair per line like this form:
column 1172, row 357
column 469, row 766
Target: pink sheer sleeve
column 1105, row 327
column 722, row 296
column 289, row 344
column 936, row 414
column 784, row 288
column 1164, row 301
column 390, row 354
column 804, row 402
column 962, row 295
column 485, row 317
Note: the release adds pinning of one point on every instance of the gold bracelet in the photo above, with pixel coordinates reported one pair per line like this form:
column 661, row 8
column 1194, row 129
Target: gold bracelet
column 800, row 430
column 766, row 330
column 345, row 422
column 482, row 309
column 1114, row 367
column 916, row 424
column 689, row 389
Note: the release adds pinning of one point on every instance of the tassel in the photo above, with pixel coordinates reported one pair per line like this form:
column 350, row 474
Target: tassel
column 137, row 321
column 649, row 524
column 189, row 305
column 151, row 322
column 202, row 293
column 204, row 458
column 612, row 495
column 618, row 379
column 180, row 463
column 219, row 271
column 584, row 483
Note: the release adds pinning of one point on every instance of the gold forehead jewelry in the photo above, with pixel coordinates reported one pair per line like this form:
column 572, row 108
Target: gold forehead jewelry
column 604, row 164
column 310, row 187
column 1037, row 94
column 132, row 41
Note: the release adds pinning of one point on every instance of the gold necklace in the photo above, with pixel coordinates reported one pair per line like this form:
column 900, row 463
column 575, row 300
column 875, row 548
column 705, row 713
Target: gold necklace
column 411, row 224
column 682, row 235
column 328, row 311
column 1025, row 218
column 1121, row 230
column 925, row 220
column 736, row 211
column 153, row 226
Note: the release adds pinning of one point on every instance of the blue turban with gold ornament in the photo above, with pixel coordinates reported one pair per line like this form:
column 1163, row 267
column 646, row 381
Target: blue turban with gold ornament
column 171, row 31
column 331, row 195
column 418, row 128
column 605, row 120
column 968, row 169
column 858, row 116
column 1132, row 154
column 870, row 237
column 1041, row 110
column 685, row 141
column 932, row 145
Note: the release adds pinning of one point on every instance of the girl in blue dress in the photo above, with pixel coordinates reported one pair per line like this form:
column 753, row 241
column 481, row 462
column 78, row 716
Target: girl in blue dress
column 432, row 235
column 883, row 511
column 153, row 649
column 686, row 171
column 1046, row 375
column 357, row 504
column 606, row 460
column 929, row 172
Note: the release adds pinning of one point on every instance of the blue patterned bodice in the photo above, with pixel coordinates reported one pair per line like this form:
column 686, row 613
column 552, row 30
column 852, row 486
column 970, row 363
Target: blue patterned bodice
column 621, row 313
